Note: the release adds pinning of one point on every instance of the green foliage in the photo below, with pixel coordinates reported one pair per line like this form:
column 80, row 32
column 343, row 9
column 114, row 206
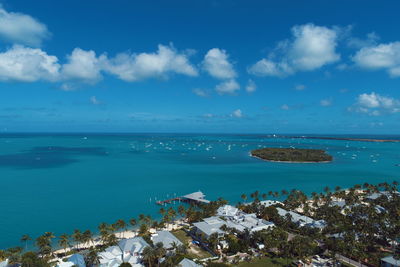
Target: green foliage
column 292, row 154
column 125, row 264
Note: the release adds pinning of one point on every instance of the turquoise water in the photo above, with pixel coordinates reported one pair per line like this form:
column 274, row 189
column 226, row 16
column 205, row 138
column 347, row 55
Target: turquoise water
column 59, row 183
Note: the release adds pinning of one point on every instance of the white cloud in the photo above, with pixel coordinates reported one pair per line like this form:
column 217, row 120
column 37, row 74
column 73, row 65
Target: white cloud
column 200, row 92
column 251, row 86
column 228, row 87
column 311, row 48
column 237, row 113
column 21, row 28
column 133, row 67
column 285, row 107
column 375, row 104
column 370, row 40
column 216, row 63
column 382, row 56
column 25, row 64
column 300, row 87
column 94, row 100
column 326, row 102
column 83, row 66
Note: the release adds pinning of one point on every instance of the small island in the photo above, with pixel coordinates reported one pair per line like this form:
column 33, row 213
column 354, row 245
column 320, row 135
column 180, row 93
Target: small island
column 295, row 155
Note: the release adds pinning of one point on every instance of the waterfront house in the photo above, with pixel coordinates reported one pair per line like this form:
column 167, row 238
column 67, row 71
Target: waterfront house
column 166, row 238
column 128, row 250
column 302, row 220
column 188, row 263
column 209, row 226
column 75, row 260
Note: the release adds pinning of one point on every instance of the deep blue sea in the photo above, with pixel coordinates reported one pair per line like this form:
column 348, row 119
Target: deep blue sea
column 58, row 183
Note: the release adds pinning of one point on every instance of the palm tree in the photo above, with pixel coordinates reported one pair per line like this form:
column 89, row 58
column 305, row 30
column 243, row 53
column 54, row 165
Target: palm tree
column 244, row 197
column 132, row 222
column 149, row 255
column 64, row 242
column 92, row 258
column 120, row 225
column 77, row 236
column 26, row 238
column 87, row 237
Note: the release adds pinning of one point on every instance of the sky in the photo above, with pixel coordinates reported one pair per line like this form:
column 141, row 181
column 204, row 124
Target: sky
column 316, row 66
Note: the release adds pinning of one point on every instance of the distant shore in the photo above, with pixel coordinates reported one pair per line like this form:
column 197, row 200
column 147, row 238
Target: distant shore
column 344, row 139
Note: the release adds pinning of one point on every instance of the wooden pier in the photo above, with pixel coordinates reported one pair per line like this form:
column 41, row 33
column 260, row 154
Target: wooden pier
column 168, row 201
column 196, row 197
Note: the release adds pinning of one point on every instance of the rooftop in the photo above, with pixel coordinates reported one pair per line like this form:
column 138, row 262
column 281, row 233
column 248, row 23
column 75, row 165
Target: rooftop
column 166, row 238
column 197, row 196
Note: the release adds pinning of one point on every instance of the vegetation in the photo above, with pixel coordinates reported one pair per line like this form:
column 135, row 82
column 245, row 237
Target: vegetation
column 291, row 155
column 363, row 228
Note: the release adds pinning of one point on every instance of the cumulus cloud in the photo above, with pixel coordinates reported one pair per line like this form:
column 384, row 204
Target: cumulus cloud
column 25, row 64
column 326, row 102
column 132, row 67
column 237, row 113
column 95, row 101
column 83, row 66
column 216, row 63
column 227, row 87
column 375, row 104
column 382, row 56
column 371, row 40
column 310, row 48
column 285, row 107
column 251, row 86
column 201, row 92
column 21, row 28
column 300, row 87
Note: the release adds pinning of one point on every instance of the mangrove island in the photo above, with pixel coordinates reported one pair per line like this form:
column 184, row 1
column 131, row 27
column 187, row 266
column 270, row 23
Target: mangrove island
column 291, row 155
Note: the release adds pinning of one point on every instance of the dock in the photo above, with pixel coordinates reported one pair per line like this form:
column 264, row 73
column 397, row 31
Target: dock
column 196, row 197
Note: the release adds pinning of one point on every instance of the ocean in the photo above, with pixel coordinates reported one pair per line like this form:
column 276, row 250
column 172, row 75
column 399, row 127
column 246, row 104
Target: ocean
column 61, row 182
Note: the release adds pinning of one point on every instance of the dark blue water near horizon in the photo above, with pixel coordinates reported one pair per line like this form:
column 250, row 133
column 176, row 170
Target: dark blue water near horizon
column 59, row 182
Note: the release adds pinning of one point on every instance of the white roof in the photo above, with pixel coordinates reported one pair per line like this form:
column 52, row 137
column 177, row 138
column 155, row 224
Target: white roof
column 166, row 238
column 268, row 203
column 133, row 245
column 197, row 196
column 188, row 263
column 227, row 211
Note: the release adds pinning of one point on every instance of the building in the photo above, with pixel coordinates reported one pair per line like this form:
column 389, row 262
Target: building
column 188, row 263
column 302, row 220
column 209, row 226
column 128, row 250
column 389, row 261
column 269, row 203
column 196, row 197
column 4, row 263
column 75, row 260
column 166, row 238
column 233, row 218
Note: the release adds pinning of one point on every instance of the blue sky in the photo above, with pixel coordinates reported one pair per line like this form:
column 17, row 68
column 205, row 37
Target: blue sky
column 200, row 66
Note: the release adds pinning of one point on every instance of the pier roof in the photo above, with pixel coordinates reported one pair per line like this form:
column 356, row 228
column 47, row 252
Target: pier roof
column 196, row 196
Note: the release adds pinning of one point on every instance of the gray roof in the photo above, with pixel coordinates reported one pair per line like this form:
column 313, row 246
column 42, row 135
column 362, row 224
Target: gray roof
column 301, row 219
column 134, row 245
column 197, row 196
column 210, row 225
column 78, row 260
column 166, row 238
column 391, row 260
column 188, row 263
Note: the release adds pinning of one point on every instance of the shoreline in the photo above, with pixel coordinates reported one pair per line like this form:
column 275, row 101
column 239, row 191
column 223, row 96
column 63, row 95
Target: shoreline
column 345, row 139
column 279, row 161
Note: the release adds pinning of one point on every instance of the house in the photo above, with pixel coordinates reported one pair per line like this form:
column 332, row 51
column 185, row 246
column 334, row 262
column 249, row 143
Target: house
column 233, row 218
column 188, row 263
column 128, row 250
column 389, row 261
column 166, row 238
column 209, row 226
column 302, row 220
column 75, row 260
